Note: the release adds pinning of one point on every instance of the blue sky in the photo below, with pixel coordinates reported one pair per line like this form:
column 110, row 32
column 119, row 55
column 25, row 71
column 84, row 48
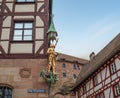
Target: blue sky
column 85, row 26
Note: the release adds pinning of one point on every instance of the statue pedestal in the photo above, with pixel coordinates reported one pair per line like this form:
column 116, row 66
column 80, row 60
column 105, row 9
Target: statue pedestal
column 50, row 79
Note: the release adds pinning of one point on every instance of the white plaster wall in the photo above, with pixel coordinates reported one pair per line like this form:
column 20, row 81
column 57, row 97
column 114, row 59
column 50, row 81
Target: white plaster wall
column 103, row 72
column 88, row 85
column 39, row 5
column 10, row 6
column 84, row 96
column 7, row 22
column 21, row 48
column 41, row 52
column 5, row 46
column 107, row 81
column 91, row 91
column 114, row 76
column 107, row 92
column 24, row 17
column 39, row 21
column 25, row 8
column 80, row 92
column 76, row 95
column 108, row 71
column 9, row 0
column 5, row 34
column 117, row 62
column 98, row 87
column 99, row 77
column 37, row 45
column 91, row 83
column 39, row 33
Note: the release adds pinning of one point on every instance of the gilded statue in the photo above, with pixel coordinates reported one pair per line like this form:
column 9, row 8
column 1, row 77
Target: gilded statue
column 51, row 58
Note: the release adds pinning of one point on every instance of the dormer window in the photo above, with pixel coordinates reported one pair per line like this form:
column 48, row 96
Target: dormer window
column 23, row 31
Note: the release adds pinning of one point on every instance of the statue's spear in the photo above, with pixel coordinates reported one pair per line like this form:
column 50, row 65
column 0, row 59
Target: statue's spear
column 56, row 41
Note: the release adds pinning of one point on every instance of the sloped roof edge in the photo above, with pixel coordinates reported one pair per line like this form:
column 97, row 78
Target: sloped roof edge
column 105, row 54
column 70, row 58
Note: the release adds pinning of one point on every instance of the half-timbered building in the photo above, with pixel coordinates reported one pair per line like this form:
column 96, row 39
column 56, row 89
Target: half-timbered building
column 23, row 45
column 23, row 27
column 100, row 78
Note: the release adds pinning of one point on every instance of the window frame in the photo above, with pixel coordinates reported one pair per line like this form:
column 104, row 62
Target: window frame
column 112, row 68
column 74, row 76
column 25, row 1
column 64, row 75
column 23, row 29
column 2, row 91
column 78, row 66
column 114, row 89
column 75, row 66
column 63, row 65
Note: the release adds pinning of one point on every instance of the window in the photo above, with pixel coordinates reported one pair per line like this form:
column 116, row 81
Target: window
column 64, row 74
column 5, row 92
column 75, row 66
column 24, row 0
column 63, row 65
column 74, row 76
column 95, row 80
column 113, row 68
column 100, row 95
column 78, row 67
column 23, row 31
column 116, row 89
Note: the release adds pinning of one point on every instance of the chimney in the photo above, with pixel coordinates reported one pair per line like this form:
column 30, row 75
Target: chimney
column 92, row 55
